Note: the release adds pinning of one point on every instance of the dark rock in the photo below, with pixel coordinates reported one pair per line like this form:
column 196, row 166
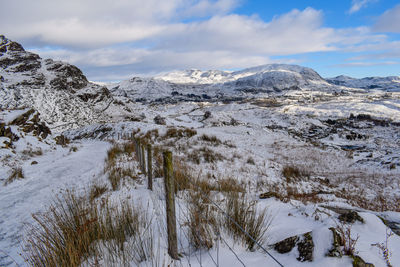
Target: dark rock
column 34, row 162
column 351, row 217
column 286, row 245
column 394, row 226
column 207, row 115
column 159, row 120
column 306, row 248
column 21, row 119
column 359, row 262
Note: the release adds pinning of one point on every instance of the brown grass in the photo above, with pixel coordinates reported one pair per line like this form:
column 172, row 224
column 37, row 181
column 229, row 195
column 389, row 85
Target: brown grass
column 31, row 152
column 211, row 139
column 96, row 190
column 209, row 155
column 16, row 174
column 116, row 174
column 293, row 173
column 71, row 230
column 179, row 133
column 230, row 185
column 201, row 221
column 247, row 219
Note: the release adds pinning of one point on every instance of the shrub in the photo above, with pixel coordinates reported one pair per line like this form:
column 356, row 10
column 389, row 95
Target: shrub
column 349, row 242
column 16, row 173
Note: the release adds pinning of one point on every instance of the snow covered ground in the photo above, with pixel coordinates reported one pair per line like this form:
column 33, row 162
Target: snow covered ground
column 292, row 133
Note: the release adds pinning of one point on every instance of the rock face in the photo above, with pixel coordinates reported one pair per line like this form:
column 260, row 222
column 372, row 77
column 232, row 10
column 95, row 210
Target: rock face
column 58, row 90
column 304, row 243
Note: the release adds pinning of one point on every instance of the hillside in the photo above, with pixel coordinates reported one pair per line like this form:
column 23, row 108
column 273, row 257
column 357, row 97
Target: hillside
column 389, row 84
column 58, row 90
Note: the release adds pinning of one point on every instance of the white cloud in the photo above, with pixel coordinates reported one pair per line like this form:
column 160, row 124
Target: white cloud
column 367, row 64
column 356, row 5
column 389, row 21
column 93, row 23
column 119, row 38
column 205, row 8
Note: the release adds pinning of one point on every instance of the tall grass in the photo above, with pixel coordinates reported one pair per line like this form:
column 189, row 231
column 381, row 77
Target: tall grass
column 243, row 217
column 75, row 230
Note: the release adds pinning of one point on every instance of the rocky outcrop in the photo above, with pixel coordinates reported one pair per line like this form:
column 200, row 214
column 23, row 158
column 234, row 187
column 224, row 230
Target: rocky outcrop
column 304, row 243
column 350, row 217
column 58, row 90
column 29, row 122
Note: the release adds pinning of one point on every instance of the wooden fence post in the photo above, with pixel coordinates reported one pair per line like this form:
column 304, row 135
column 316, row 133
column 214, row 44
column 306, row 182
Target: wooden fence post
column 139, row 154
column 170, row 205
column 149, row 168
column 143, row 159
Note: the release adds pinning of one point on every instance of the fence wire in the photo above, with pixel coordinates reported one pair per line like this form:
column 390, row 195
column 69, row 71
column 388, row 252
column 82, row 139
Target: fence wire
column 138, row 151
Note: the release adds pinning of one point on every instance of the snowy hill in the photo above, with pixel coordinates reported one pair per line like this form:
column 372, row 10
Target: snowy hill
column 390, row 83
column 58, row 90
column 196, row 85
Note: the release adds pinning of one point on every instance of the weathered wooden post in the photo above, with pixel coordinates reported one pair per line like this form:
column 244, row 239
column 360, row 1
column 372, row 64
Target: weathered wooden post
column 170, row 205
column 139, row 153
column 149, row 168
column 143, row 159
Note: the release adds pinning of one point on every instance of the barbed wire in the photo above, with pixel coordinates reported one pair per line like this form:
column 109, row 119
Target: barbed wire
column 233, row 221
column 188, row 220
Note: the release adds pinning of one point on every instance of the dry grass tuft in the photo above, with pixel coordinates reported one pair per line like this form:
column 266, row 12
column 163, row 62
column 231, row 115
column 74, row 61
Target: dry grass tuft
column 74, row 231
column 116, row 174
column 247, row 219
column 179, row 133
column 230, row 185
column 201, row 221
column 96, row 190
column 29, row 152
column 293, row 173
column 211, row 139
column 16, row 174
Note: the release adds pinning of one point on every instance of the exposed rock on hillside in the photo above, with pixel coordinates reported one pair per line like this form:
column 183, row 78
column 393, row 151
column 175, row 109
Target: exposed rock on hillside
column 58, row 90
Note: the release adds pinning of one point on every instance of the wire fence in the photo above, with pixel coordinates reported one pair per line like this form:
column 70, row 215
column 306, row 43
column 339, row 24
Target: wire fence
column 184, row 220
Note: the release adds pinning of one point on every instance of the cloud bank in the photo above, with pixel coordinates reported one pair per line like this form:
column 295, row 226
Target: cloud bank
column 117, row 39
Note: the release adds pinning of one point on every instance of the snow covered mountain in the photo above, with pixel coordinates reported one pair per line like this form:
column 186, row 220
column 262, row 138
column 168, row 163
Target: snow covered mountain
column 58, row 90
column 390, row 83
column 222, row 85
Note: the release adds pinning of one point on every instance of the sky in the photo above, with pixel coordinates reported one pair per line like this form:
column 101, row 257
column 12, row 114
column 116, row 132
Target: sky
column 112, row 40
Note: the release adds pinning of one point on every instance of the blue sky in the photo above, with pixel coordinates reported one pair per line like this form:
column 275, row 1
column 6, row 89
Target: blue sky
column 117, row 39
